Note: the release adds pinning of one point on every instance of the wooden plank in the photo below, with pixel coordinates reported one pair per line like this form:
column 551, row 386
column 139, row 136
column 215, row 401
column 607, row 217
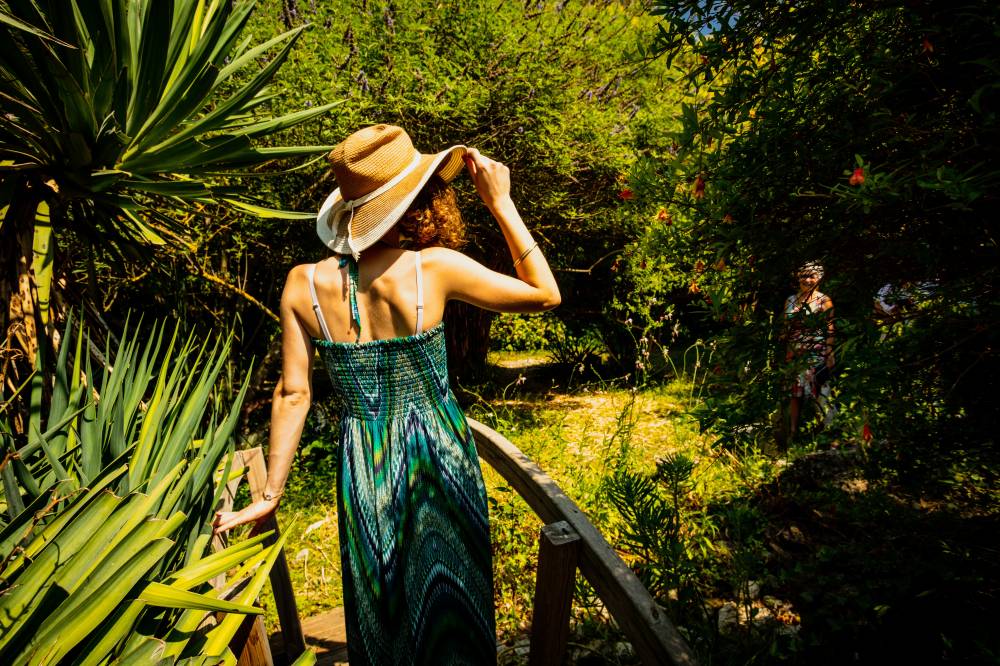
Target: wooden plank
column 256, row 648
column 280, row 575
column 652, row 634
column 558, row 553
column 326, row 634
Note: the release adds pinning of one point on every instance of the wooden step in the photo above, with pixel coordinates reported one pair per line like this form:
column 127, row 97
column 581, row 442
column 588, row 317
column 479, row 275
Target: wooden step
column 325, row 635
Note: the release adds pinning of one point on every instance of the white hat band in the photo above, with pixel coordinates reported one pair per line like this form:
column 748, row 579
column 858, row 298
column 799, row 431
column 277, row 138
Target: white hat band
column 351, row 204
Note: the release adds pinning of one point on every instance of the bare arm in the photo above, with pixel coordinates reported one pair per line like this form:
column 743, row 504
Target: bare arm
column 831, row 329
column 292, row 397
column 535, row 287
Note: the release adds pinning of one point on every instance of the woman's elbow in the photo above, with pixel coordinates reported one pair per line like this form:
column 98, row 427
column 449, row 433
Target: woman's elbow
column 550, row 299
column 292, row 396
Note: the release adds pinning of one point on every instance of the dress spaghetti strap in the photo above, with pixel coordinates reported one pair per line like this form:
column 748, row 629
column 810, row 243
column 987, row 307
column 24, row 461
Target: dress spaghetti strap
column 420, row 294
column 315, row 300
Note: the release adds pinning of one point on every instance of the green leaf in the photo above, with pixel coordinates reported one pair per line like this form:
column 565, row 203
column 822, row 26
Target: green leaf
column 284, row 122
column 218, row 638
column 269, row 213
column 7, row 19
column 307, row 658
column 217, row 563
column 30, row 588
column 86, row 608
column 115, row 629
column 167, row 596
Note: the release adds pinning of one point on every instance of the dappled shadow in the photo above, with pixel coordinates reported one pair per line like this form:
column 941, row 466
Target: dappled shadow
column 878, row 575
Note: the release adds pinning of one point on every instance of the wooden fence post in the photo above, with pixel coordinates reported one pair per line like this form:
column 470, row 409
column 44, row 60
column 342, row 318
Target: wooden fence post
column 281, row 578
column 558, row 553
column 654, row 637
column 252, row 635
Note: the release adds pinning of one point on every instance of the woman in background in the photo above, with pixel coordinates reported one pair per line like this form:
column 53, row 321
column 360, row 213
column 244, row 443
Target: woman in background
column 810, row 338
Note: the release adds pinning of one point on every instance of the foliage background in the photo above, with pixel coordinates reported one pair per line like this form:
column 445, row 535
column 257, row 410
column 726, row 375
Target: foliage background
column 565, row 121
column 679, row 169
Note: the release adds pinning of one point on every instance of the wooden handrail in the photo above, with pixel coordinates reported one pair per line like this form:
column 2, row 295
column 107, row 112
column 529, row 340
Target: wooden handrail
column 652, row 634
column 250, row 643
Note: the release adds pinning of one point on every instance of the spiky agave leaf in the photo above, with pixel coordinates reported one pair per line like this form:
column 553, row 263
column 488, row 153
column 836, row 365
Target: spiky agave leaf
column 130, row 108
column 94, row 554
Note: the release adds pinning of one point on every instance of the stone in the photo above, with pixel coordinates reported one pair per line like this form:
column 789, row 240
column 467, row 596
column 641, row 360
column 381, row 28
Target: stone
column 729, row 618
column 623, row 650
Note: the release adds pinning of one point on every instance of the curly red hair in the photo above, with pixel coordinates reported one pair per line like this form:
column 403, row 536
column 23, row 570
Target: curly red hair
column 433, row 219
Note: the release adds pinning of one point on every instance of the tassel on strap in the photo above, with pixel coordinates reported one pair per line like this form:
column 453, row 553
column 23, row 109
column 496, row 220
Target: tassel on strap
column 352, row 277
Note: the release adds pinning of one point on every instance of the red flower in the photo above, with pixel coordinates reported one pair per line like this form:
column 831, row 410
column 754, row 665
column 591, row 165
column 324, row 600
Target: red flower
column 928, row 47
column 694, row 288
column 626, row 195
column 699, row 266
column 866, row 433
column 727, row 218
column 699, row 187
column 663, row 216
column 857, row 177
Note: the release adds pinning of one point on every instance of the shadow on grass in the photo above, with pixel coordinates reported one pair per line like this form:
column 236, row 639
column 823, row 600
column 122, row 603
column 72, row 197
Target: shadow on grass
column 876, row 574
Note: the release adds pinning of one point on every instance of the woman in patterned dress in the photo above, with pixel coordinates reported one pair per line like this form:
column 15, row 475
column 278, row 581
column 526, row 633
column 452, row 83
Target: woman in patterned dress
column 810, row 337
column 412, row 512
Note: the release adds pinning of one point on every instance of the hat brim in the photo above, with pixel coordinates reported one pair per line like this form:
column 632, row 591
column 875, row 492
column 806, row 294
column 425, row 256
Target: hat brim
column 374, row 218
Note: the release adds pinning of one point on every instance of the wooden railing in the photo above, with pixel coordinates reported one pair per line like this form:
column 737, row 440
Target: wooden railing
column 569, row 542
column 250, row 645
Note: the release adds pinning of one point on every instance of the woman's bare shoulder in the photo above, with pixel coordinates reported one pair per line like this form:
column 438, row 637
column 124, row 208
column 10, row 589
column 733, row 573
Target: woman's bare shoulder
column 296, row 290
column 297, row 276
column 443, row 258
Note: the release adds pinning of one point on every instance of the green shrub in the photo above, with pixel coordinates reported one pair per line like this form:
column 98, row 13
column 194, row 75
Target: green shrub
column 525, row 332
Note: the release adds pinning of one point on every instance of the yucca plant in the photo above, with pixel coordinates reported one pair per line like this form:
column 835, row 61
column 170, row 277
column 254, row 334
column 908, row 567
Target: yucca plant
column 119, row 119
column 107, row 505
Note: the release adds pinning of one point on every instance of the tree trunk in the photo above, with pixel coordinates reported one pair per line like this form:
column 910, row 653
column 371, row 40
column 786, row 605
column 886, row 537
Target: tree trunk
column 468, row 340
column 17, row 293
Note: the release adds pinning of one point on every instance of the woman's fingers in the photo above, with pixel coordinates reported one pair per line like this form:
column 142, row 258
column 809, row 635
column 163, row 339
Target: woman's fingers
column 223, row 522
column 227, row 520
column 470, row 164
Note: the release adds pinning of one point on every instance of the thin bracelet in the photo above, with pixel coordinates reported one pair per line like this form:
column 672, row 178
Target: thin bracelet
column 524, row 254
column 272, row 496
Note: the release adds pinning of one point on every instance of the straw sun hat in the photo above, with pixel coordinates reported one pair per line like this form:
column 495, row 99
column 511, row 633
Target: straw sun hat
column 379, row 174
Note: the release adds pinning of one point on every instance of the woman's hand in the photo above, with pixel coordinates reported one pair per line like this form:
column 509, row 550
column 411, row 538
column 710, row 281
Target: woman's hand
column 492, row 179
column 257, row 513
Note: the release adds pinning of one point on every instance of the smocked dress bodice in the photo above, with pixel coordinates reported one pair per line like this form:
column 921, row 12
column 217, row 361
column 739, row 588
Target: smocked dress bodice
column 389, row 378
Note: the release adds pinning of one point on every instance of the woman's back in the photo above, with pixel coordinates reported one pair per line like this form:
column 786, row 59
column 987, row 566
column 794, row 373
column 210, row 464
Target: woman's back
column 386, row 298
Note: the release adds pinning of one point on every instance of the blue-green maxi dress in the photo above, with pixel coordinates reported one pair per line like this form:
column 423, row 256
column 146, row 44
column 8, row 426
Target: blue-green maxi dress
column 413, row 524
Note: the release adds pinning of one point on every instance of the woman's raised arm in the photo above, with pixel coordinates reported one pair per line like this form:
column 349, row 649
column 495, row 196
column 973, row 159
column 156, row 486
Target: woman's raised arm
column 467, row 280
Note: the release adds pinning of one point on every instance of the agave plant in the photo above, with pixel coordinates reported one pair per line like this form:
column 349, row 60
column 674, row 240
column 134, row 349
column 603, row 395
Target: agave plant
column 118, row 119
column 104, row 542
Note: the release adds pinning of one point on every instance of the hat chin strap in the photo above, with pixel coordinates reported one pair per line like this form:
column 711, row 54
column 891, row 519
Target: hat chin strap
column 351, row 204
